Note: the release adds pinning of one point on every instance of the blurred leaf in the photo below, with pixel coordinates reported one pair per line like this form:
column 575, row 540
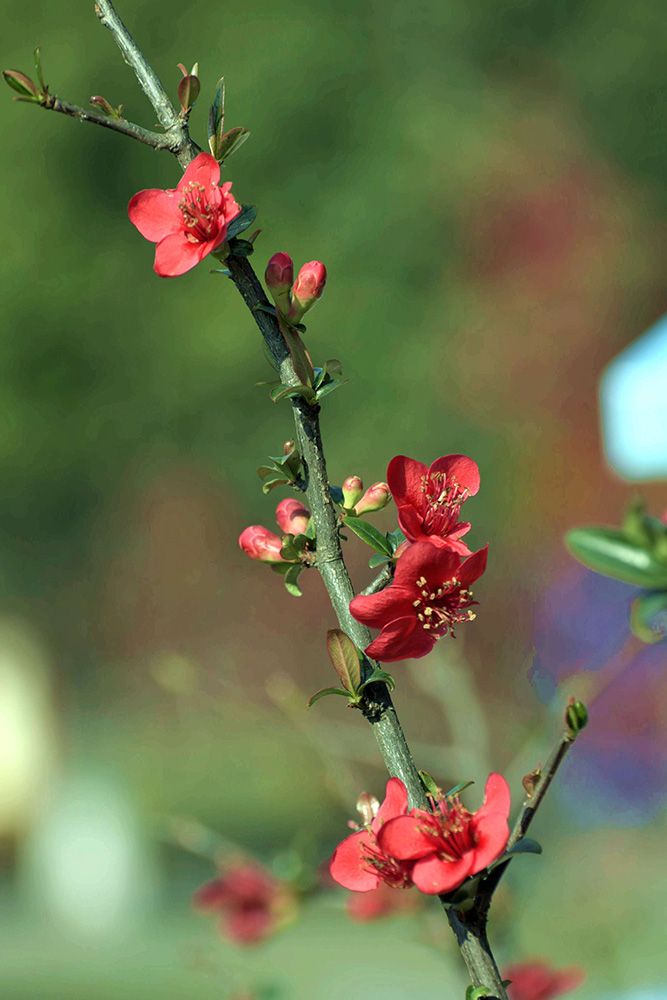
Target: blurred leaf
column 648, row 616
column 607, row 551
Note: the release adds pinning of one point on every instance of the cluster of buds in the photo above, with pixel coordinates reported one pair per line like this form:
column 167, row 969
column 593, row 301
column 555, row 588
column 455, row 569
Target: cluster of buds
column 293, row 519
column 293, row 298
column 357, row 502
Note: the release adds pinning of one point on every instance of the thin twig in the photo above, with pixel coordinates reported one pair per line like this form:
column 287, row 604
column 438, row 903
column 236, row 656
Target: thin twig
column 526, row 816
column 382, row 580
column 155, row 139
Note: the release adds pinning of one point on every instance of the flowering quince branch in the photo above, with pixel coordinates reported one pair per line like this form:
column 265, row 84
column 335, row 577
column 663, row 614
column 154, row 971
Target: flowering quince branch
column 418, row 837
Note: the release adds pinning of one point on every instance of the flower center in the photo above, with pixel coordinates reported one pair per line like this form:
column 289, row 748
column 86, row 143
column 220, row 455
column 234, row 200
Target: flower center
column 442, row 503
column 199, row 215
column 440, row 609
column 450, row 828
column 393, row 873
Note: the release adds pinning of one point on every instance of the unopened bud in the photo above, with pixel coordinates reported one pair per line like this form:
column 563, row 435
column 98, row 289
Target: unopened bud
column 376, row 497
column 529, row 781
column 292, row 516
column 259, row 543
column 368, row 807
column 288, row 447
column 307, row 289
column 279, row 276
column 353, row 490
column 576, row 716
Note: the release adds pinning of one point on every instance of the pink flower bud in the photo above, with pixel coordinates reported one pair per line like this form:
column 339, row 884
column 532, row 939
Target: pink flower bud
column 292, row 517
column 288, row 447
column 353, row 489
column 376, row 497
column 279, row 276
column 403, row 547
column 260, row 543
column 307, row 289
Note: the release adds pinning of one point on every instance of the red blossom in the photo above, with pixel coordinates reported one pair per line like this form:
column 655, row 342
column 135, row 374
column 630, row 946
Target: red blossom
column 429, row 500
column 358, row 863
column 450, row 844
column 292, row 516
column 259, row 543
column 250, row 901
column 535, row 980
column 429, row 595
column 187, row 222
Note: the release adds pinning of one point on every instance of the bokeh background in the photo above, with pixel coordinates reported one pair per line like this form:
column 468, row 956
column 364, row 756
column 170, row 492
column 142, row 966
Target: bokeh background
column 486, row 183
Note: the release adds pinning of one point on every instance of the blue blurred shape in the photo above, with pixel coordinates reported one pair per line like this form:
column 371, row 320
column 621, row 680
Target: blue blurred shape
column 633, row 396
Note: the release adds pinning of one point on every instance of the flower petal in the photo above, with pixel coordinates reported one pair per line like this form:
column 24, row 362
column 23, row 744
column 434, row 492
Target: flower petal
column 395, row 803
column 434, row 875
column 155, row 213
column 492, row 834
column 204, row 170
column 400, row 640
column 427, row 559
column 496, row 797
column 348, row 866
column 377, row 609
column 408, row 837
column 175, row 255
column 458, row 469
column 405, row 477
column 473, row 568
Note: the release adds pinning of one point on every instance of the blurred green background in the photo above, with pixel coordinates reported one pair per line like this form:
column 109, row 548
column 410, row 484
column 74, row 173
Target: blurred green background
column 486, row 184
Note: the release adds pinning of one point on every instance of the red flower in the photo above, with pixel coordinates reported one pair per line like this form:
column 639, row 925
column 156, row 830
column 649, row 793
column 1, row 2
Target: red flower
column 429, row 595
column 188, row 222
column 358, row 863
column 429, row 500
column 249, row 899
column 292, row 516
column 259, row 543
column 449, row 845
column 536, row 981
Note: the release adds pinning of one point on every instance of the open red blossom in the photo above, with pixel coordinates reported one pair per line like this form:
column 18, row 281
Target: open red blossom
column 535, row 980
column 429, row 595
column 358, row 863
column 429, row 500
column 450, row 844
column 188, row 222
column 250, row 901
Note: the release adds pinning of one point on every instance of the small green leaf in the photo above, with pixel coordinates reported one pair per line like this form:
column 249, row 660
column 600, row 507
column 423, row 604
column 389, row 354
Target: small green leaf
column 329, row 386
column 288, row 549
column 336, row 494
column 243, row 220
column 608, row 552
column 230, row 142
column 38, row 69
column 395, row 538
column 333, row 367
column 291, row 577
column 477, row 992
column 648, row 616
column 462, row 785
column 227, row 274
column 294, row 390
column 324, row 692
column 345, row 658
column 241, row 248
column 303, row 366
column 378, row 675
column 368, row 534
column 377, row 560
column 216, row 117
column 525, row 846
column 270, row 484
column 188, row 91
column 429, row 784
column 21, row 83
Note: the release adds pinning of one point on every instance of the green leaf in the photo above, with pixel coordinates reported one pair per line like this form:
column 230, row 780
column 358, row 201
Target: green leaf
column 477, row 992
column 188, row 91
column 293, row 390
column 303, row 366
column 21, row 83
column 318, row 376
column 216, row 117
column 333, row 367
column 429, row 784
column 379, row 675
column 395, row 538
column 345, row 658
column 462, row 785
column 270, row 484
column 288, row 549
column 37, row 54
column 291, row 577
column 525, row 846
column 329, row 386
column 608, row 552
column 367, row 533
column 336, row 494
column 230, row 142
column 241, row 248
column 377, row 560
column 648, row 616
column 324, row 692
column 245, row 218
column 227, row 274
